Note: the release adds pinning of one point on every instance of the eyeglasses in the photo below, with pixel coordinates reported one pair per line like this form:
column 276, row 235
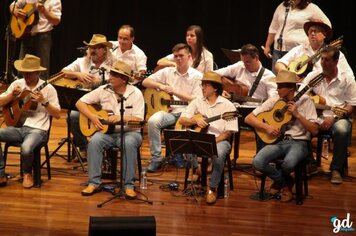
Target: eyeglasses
column 315, row 31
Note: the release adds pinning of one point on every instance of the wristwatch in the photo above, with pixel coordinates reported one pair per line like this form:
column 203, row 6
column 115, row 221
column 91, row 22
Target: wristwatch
column 45, row 104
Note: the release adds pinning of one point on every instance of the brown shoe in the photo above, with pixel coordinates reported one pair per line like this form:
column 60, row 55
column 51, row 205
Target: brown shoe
column 130, row 193
column 27, row 180
column 211, row 197
column 286, row 194
column 3, row 181
column 90, row 190
column 336, row 177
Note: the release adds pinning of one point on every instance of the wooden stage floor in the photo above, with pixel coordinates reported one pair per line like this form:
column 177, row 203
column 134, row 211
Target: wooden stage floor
column 57, row 208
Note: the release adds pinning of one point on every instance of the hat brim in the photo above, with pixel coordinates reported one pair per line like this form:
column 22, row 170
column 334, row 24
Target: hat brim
column 327, row 29
column 131, row 79
column 18, row 67
column 107, row 44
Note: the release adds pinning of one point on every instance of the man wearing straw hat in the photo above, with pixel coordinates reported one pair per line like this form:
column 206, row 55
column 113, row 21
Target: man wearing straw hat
column 36, row 124
column 293, row 147
column 91, row 71
column 212, row 104
column 107, row 96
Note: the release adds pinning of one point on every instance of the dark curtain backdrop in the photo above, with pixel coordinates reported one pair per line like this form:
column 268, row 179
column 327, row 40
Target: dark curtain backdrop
column 226, row 23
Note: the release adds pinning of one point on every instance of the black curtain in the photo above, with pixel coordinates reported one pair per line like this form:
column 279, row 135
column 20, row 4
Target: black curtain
column 226, row 23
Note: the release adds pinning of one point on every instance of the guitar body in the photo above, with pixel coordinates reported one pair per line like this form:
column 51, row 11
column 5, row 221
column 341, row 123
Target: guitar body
column 318, row 100
column 276, row 118
column 231, row 87
column 153, row 99
column 20, row 26
column 15, row 110
column 300, row 67
column 196, row 128
column 85, row 125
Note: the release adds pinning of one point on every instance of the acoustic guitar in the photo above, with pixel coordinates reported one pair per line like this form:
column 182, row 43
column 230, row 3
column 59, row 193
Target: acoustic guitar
column 231, row 87
column 16, row 111
column 159, row 101
column 21, row 26
column 88, row 129
column 340, row 112
column 278, row 117
column 225, row 116
column 305, row 64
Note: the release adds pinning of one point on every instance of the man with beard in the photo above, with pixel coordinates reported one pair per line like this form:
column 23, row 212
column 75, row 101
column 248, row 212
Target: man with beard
column 88, row 70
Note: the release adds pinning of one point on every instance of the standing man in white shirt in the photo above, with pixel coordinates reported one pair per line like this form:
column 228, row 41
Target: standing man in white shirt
column 39, row 41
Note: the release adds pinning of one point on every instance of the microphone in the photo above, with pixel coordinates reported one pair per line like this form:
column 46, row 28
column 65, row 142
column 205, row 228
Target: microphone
column 82, row 48
column 290, row 3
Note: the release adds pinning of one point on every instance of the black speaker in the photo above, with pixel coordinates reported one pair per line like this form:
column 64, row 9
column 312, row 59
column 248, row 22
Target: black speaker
column 122, row 225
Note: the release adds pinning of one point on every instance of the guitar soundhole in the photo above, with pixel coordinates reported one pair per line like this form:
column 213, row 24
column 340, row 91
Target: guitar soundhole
column 278, row 116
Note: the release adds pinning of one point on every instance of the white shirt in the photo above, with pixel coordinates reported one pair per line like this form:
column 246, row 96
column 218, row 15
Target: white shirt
column 293, row 33
column 54, row 6
column 38, row 118
column 265, row 88
column 84, row 65
column 188, row 83
column 134, row 57
column 305, row 107
column 305, row 49
column 206, row 63
column 222, row 105
column 340, row 90
column 134, row 104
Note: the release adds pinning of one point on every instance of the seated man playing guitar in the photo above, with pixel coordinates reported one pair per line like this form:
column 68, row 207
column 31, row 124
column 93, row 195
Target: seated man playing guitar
column 338, row 89
column 110, row 97
column 304, row 58
column 249, row 75
column 23, row 95
column 292, row 144
column 182, row 83
column 208, row 106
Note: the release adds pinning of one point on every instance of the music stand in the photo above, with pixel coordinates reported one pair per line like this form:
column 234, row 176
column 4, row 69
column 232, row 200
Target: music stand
column 232, row 55
column 67, row 99
column 192, row 142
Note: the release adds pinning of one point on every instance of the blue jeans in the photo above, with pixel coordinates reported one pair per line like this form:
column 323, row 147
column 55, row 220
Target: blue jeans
column 156, row 122
column 79, row 139
column 30, row 139
column 40, row 46
column 341, row 131
column 100, row 142
column 291, row 151
column 224, row 148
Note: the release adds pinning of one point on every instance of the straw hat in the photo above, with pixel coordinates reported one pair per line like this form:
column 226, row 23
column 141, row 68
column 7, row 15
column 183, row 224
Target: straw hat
column 211, row 76
column 98, row 39
column 29, row 63
column 286, row 76
column 328, row 32
column 122, row 68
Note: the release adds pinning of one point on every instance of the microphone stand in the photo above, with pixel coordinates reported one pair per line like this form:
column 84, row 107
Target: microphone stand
column 122, row 133
column 102, row 73
column 280, row 38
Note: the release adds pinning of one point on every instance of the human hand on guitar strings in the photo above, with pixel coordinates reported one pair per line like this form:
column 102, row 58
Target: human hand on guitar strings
column 200, row 122
column 38, row 96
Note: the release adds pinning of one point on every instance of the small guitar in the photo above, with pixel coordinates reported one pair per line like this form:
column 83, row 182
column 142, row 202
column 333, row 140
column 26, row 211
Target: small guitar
column 338, row 111
column 88, row 129
column 237, row 98
column 15, row 112
column 21, row 26
column 159, row 101
column 231, row 87
column 278, row 117
column 226, row 116
column 305, row 64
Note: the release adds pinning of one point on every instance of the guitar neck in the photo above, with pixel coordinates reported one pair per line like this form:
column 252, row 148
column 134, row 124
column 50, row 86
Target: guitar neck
column 173, row 102
column 213, row 118
column 237, row 98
